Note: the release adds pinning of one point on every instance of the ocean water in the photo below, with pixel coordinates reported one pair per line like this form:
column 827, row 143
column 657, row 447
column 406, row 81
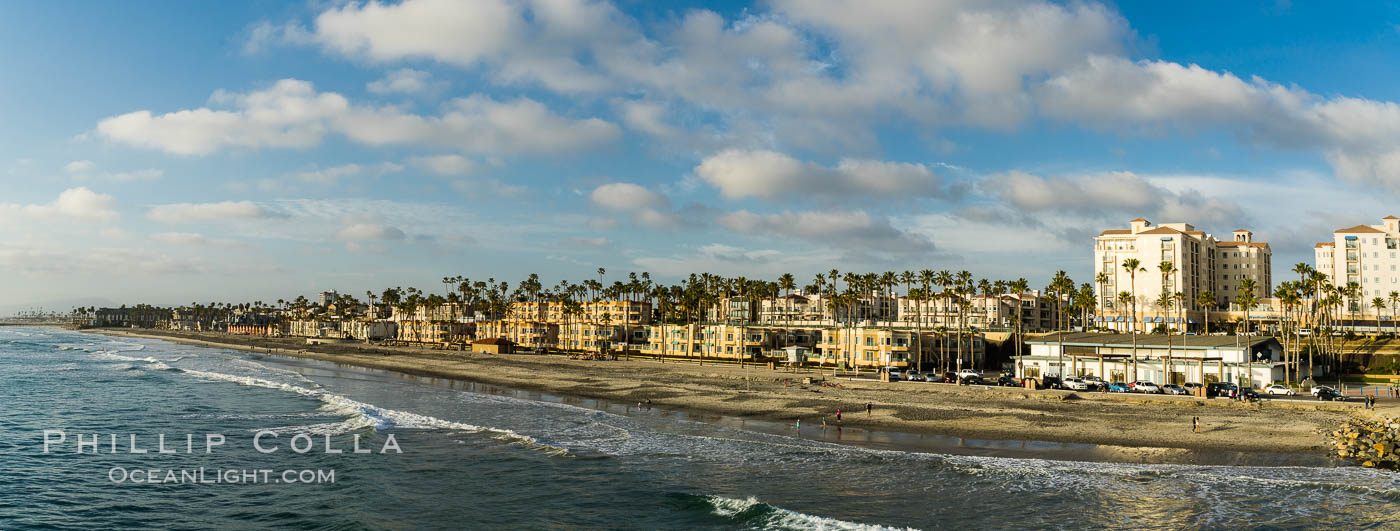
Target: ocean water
column 475, row 457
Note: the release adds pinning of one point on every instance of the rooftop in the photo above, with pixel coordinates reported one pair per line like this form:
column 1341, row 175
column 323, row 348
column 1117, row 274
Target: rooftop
column 1098, row 339
column 1363, row 229
column 1161, row 230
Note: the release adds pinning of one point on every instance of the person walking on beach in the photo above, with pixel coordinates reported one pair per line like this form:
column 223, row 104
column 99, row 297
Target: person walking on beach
column 1195, row 424
column 867, row 409
column 823, row 423
column 838, row 416
column 799, row 424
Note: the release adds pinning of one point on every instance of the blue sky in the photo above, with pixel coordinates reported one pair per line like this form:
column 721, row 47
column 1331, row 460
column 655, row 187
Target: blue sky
column 173, row 152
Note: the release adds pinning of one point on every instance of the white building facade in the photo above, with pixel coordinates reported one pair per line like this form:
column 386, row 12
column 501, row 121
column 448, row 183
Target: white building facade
column 1199, row 261
column 1368, row 255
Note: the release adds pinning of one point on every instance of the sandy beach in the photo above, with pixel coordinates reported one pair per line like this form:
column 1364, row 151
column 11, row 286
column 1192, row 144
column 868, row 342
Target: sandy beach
column 1132, row 428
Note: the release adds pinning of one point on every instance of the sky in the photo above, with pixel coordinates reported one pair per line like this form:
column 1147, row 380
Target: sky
column 167, row 153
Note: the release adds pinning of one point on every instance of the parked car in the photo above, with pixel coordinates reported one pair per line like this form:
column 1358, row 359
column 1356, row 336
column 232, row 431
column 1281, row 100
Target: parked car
column 1319, row 388
column 914, row 376
column 1191, row 387
column 1173, row 389
column 1279, row 390
column 893, row 372
column 1096, row 383
column 1076, row 384
column 1145, row 387
column 1052, row 382
column 1249, row 393
column 1328, row 393
column 1118, row 387
column 969, row 373
column 1007, row 381
column 1222, row 389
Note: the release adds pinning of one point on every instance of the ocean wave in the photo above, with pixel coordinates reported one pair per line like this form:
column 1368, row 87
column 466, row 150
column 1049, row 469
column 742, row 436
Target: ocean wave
column 374, row 417
column 750, row 512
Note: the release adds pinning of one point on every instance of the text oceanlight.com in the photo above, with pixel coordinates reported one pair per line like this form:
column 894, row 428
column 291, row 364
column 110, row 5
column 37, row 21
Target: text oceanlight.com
column 216, row 476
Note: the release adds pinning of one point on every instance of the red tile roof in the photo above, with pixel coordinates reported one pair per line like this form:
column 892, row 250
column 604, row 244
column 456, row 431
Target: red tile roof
column 1162, row 230
column 1363, row 229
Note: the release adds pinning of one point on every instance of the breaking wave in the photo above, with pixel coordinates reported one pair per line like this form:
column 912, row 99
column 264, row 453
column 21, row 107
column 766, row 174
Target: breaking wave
column 754, row 514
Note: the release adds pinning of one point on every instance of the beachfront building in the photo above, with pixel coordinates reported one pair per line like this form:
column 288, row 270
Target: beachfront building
column 314, row 328
column 1368, row 255
column 140, row 316
column 369, row 330
column 1199, row 263
column 1155, row 358
column 985, row 312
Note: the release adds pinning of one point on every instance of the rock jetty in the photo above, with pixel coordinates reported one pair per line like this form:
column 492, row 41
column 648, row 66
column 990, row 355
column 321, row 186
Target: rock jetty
column 1371, row 443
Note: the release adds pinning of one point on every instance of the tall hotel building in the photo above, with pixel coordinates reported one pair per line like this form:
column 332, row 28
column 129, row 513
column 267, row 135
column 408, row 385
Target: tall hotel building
column 1364, row 254
column 1200, row 262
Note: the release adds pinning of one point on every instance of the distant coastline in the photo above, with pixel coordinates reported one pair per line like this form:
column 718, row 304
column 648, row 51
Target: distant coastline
column 1141, row 429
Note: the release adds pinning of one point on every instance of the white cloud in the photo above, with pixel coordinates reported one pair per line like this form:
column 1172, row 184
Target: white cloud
column 479, row 124
column 899, row 60
column 334, row 174
column 291, row 114
column 1105, row 195
column 193, row 239
column 627, row 196
column 402, row 81
column 449, row 165
column 479, row 188
column 78, row 204
column 203, row 212
column 49, row 259
column 596, row 242
column 647, row 117
column 369, row 232
column 180, row 238
column 460, row 33
column 846, row 229
column 772, row 175
column 1360, row 138
column 133, row 176
column 79, row 166
column 735, row 261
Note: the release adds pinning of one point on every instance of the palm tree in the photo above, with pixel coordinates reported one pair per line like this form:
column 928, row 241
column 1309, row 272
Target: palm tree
column 1379, row 304
column 1059, row 285
column 1394, row 304
column 1101, row 280
column 1020, row 286
column 1124, row 299
column 787, row 283
column 1207, row 301
column 1304, row 271
column 926, row 277
column 1133, row 266
column 1165, row 302
column 1247, row 302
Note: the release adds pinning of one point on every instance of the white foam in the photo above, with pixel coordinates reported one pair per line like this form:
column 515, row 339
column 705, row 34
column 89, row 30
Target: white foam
column 774, row 517
column 370, row 416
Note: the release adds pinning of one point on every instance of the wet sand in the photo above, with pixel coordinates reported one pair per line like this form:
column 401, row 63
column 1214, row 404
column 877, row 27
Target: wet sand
column 1122, row 428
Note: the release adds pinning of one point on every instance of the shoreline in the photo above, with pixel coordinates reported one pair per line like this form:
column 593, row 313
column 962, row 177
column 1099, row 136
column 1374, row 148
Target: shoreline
column 1086, row 427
